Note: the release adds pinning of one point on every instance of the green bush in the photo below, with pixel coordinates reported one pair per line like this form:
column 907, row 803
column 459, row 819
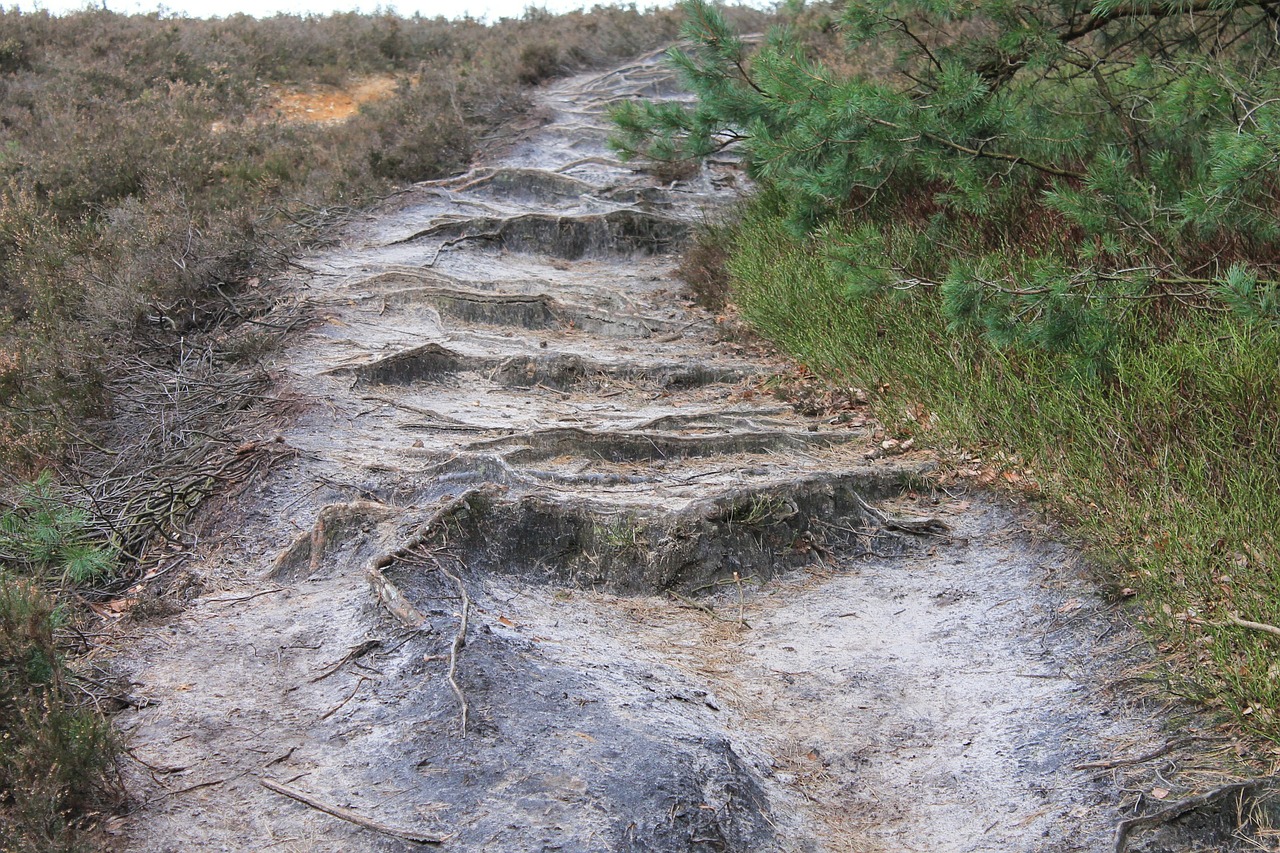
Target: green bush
column 1049, row 168
column 1166, row 466
column 1046, row 232
column 55, row 756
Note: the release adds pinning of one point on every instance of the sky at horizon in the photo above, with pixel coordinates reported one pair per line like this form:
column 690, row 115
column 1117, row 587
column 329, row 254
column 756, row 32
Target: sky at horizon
column 490, row 10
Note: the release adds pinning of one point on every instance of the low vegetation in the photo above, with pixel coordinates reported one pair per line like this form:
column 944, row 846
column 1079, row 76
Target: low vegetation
column 144, row 179
column 1047, row 233
column 55, row 753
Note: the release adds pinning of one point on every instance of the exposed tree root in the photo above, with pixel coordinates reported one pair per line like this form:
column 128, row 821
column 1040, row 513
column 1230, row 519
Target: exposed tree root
column 459, row 641
column 397, row 605
column 385, row 590
column 1178, row 809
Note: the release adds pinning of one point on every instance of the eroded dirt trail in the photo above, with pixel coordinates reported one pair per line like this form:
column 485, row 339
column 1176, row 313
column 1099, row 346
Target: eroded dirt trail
column 504, row 395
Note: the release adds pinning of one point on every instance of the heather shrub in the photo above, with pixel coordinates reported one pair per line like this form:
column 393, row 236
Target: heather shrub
column 144, row 175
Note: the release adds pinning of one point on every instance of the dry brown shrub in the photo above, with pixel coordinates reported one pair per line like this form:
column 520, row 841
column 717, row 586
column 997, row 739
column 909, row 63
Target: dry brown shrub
column 703, row 266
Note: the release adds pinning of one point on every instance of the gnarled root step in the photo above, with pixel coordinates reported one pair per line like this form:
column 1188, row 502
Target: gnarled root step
column 434, row 362
column 336, row 528
column 647, row 446
column 391, row 281
column 753, row 532
column 627, row 232
column 553, row 188
column 753, row 419
column 537, row 185
column 533, row 311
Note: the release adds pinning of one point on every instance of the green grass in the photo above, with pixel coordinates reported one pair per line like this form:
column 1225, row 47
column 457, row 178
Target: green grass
column 1166, row 464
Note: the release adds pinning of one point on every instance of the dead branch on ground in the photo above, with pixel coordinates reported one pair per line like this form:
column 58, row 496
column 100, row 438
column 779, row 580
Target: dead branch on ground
column 707, row 609
column 182, row 427
column 356, row 652
column 1112, row 763
column 1256, row 626
column 349, row 816
column 249, row 597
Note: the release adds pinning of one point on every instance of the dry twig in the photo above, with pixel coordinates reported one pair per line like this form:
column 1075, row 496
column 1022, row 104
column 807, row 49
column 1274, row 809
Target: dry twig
column 1112, row 763
column 357, row 651
column 696, row 605
column 1256, row 626
column 706, row 608
column 249, row 597
column 360, row 680
column 349, row 816
column 742, row 604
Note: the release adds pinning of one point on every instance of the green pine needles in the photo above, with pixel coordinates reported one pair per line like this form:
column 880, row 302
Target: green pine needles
column 56, row 754
column 45, row 537
column 1043, row 167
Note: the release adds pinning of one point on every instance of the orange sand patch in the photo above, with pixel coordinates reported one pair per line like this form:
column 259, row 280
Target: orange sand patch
column 328, row 104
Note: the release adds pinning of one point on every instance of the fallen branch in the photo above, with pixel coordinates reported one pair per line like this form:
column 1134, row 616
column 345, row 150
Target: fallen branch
column 197, row 787
column 459, row 641
column 1172, row 812
column 246, row 597
column 436, row 420
column 1112, row 763
column 742, row 604
column 357, row 651
column 696, row 605
column 349, row 816
column 725, row 582
column 1256, row 626
column 706, row 608
column 336, row 708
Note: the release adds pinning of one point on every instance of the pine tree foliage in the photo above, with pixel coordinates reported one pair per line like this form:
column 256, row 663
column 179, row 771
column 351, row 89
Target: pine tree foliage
column 1045, row 166
column 45, row 536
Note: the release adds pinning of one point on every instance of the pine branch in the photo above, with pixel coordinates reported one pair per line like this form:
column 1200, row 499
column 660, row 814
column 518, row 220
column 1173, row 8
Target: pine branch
column 1016, row 159
column 1154, row 10
column 1001, row 70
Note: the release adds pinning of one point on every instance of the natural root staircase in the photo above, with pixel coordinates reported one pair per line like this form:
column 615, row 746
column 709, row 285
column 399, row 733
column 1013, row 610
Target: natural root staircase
column 529, row 571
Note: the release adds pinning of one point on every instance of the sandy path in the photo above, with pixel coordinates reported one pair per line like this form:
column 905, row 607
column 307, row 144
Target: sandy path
column 508, row 345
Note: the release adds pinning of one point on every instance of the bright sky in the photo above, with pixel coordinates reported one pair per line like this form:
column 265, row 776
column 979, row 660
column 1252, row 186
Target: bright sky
column 490, row 10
